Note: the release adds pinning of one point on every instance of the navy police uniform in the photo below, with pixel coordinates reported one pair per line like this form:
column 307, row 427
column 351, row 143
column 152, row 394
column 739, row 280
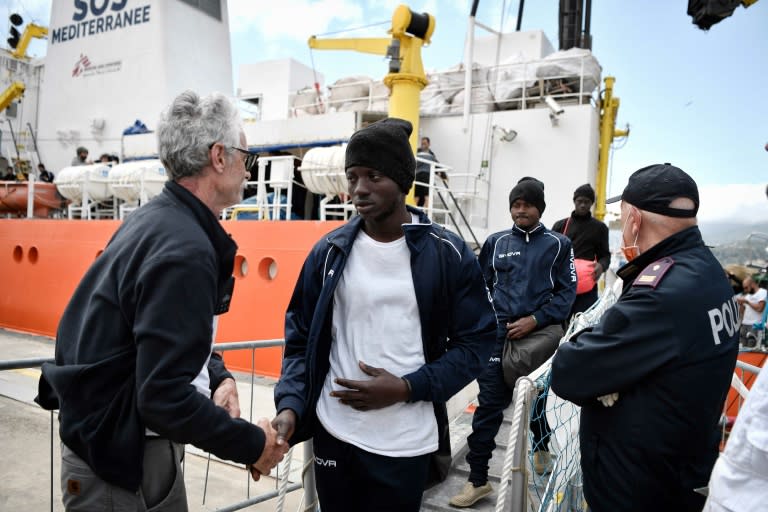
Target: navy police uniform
column 669, row 347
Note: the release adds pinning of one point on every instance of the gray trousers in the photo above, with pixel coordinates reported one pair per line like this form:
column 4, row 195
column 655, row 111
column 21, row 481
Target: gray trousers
column 162, row 486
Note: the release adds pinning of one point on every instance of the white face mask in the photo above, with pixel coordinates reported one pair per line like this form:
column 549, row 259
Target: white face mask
column 630, row 252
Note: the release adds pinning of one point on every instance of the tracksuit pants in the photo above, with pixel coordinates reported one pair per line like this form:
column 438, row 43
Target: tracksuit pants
column 350, row 479
column 494, row 397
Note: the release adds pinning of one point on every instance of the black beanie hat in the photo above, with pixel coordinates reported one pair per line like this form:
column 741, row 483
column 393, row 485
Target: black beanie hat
column 530, row 191
column 384, row 146
column 531, row 178
column 585, row 191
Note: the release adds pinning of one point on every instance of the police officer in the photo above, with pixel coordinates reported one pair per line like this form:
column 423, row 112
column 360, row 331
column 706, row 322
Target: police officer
column 665, row 351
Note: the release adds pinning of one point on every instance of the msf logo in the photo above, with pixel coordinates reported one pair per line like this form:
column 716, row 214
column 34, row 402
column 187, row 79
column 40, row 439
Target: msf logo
column 326, row 463
column 81, row 65
column 726, row 317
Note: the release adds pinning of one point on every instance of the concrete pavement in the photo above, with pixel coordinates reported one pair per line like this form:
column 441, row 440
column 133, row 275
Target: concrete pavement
column 25, row 456
column 25, row 432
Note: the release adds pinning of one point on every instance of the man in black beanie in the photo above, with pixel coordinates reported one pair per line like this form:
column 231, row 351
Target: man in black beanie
column 367, row 368
column 590, row 246
column 529, row 272
column 384, row 146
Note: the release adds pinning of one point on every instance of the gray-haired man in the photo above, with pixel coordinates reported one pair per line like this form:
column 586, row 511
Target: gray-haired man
column 134, row 376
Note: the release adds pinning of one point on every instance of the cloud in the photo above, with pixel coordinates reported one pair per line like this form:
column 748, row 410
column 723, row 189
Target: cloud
column 36, row 11
column 738, row 202
column 292, row 20
column 733, row 202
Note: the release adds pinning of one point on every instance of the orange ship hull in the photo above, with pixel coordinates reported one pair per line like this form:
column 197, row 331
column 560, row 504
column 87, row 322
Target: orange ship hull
column 42, row 261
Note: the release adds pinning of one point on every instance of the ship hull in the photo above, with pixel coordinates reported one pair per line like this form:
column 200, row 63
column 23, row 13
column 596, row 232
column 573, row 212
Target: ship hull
column 44, row 260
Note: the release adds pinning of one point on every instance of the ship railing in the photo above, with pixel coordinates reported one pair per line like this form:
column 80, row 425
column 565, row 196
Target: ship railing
column 28, row 198
column 365, row 95
column 743, row 376
column 514, row 86
column 273, row 195
column 453, row 198
column 335, row 207
column 288, row 477
column 508, row 86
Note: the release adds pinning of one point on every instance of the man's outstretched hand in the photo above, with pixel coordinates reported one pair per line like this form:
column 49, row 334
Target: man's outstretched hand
column 284, row 424
column 273, row 453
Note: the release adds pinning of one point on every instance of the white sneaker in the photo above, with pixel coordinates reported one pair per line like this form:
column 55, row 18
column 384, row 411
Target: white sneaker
column 470, row 495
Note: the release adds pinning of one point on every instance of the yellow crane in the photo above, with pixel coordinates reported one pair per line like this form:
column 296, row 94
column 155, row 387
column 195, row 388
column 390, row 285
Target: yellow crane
column 15, row 90
column 406, row 78
column 30, row 31
column 609, row 109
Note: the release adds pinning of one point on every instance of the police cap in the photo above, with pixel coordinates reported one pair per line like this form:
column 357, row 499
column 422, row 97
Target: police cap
column 654, row 187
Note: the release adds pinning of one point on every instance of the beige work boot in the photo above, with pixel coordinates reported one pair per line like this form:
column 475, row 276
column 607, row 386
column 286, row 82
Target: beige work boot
column 542, row 462
column 470, row 494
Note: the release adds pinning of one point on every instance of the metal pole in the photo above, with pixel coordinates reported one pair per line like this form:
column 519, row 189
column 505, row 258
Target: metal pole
column 258, row 499
column 261, row 189
column 13, row 137
column 308, row 478
column 238, row 345
column 513, row 474
column 469, row 51
column 250, row 413
column 51, row 461
column 34, row 140
column 30, row 195
column 748, row 367
column 461, row 212
column 17, row 364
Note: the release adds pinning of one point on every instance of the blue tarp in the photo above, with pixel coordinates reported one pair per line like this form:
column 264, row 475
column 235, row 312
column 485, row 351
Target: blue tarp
column 136, row 128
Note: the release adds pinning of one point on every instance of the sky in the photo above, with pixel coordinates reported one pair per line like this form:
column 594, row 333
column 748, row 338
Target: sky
column 693, row 98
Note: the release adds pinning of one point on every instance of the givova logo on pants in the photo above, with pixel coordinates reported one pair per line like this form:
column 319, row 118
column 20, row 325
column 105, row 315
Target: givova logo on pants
column 326, row 463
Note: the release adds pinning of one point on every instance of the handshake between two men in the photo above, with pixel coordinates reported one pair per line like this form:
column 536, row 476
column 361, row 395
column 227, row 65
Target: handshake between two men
column 275, row 441
column 382, row 390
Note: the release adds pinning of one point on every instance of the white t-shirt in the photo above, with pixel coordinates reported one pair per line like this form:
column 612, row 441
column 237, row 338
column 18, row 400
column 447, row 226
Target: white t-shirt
column 750, row 315
column 376, row 320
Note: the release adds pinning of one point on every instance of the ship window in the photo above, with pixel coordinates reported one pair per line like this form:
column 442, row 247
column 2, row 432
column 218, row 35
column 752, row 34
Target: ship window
column 209, row 7
column 250, row 108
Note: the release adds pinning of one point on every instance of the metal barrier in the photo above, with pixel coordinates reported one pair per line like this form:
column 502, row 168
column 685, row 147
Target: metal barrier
column 449, row 211
column 283, row 485
column 559, row 489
